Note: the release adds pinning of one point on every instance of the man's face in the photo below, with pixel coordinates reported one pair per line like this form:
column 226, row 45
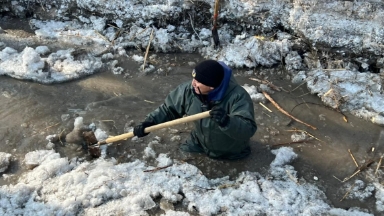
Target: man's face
column 203, row 88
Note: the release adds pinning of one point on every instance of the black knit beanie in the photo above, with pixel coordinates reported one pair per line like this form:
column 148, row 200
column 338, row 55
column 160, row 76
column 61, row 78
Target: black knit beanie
column 209, row 73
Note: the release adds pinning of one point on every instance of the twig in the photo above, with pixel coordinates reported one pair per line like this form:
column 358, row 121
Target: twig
column 107, row 121
column 353, row 158
column 266, row 114
column 288, row 143
column 345, row 118
column 205, row 188
column 60, row 136
column 181, row 48
column 138, row 33
column 285, row 112
column 337, row 179
column 113, row 26
column 40, row 5
column 265, row 107
column 158, row 168
column 294, row 179
column 50, row 126
column 328, row 92
column 194, row 27
column 341, row 69
column 267, row 83
column 305, row 103
column 378, row 165
column 349, row 191
column 102, row 36
column 359, row 170
column 355, row 173
column 303, row 95
column 299, row 85
column 149, row 101
column 146, row 53
column 223, row 186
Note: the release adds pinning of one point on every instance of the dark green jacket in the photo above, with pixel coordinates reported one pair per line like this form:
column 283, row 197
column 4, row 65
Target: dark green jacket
column 217, row 141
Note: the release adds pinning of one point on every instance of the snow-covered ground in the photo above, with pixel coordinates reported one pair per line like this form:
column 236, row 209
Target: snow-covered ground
column 57, row 186
column 96, row 34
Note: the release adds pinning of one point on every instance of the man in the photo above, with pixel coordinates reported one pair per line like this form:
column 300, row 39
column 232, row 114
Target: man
column 231, row 124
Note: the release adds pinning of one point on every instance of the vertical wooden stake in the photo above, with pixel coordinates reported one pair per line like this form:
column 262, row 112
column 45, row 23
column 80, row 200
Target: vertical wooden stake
column 146, row 53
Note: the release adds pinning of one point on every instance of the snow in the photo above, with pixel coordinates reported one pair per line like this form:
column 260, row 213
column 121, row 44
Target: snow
column 60, row 186
column 5, row 159
column 57, row 186
column 29, row 65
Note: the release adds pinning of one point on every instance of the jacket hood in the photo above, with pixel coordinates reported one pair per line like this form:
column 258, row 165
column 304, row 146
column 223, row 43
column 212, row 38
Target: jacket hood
column 218, row 93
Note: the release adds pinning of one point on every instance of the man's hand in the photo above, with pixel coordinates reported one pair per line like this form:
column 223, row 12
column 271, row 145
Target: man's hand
column 138, row 130
column 219, row 115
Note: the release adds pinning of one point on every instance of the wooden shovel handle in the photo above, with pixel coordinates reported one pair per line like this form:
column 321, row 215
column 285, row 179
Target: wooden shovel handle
column 215, row 13
column 157, row 127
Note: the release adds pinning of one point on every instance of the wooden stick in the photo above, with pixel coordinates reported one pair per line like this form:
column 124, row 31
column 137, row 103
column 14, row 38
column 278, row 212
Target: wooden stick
column 345, row 118
column 328, row 92
column 102, row 36
column 341, row 69
column 353, row 158
column 224, row 186
column 157, row 168
column 363, row 167
column 193, row 26
column 261, row 104
column 355, row 173
column 299, row 85
column 268, row 83
column 288, row 143
column 60, row 136
column 266, row 114
column 349, row 191
column 285, row 112
column 51, row 126
column 337, row 179
column 305, row 103
column 303, row 95
column 149, row 44
column 148, row 101
column 379, row 164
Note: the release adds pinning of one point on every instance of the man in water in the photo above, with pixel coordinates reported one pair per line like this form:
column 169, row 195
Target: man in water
column 227, row 132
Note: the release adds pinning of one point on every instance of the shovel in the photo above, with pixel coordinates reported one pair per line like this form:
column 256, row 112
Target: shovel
column 94, row 146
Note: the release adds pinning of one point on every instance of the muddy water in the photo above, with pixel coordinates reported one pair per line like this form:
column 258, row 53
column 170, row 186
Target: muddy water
column 31, row 111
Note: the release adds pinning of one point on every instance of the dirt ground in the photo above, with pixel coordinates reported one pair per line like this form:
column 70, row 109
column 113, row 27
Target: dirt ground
column 31, row 111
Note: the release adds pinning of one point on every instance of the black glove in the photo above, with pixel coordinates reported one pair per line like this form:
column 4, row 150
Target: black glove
column 219, row 115
column 138, row 130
